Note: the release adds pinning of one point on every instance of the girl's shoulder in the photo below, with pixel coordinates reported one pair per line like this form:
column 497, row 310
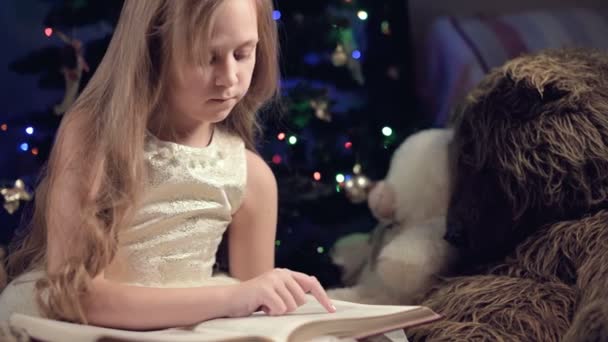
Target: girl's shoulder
column 226, row 139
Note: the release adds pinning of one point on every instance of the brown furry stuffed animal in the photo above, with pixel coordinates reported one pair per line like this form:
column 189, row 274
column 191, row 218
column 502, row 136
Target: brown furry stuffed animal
column 3, row 275
column 529, row 205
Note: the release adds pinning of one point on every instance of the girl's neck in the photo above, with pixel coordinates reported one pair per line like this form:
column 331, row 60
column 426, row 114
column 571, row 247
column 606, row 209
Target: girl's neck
column 199, row 136
column 194, row 134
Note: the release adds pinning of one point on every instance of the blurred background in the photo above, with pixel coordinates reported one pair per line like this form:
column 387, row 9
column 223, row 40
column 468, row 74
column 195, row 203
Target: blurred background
column 358, row 77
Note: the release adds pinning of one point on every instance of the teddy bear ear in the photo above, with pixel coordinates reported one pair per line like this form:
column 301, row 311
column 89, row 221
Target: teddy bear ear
column 552, row 93
column 520, row 98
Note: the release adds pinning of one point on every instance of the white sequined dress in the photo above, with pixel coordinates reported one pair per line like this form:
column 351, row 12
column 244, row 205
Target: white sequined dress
column 190, row 198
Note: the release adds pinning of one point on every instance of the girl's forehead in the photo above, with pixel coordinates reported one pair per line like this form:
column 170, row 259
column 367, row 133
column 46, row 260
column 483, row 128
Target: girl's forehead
column 234, row 21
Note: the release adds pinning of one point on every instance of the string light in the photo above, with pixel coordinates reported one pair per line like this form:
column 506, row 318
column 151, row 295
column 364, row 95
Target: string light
column 24, row 147
column 35, row 151
column 4, row 127
column 362, row 182
column 277, row 243
column 362, row 15
column 349, row 184
column 317, row 176
column 387, row 131
column 29, row 130
column 293, row 140
column 48, row 31
column 281, row 136
column 320, row 250
column 276, row 15
column 356, row 54
column 277, row 159
column 340, row 178
column 348, row 145
column 357, row 169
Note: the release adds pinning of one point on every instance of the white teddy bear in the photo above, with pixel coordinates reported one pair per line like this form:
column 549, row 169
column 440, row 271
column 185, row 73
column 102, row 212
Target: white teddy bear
column 402, row 256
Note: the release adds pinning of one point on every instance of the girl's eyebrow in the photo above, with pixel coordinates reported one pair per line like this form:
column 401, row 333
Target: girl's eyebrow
column 247, row 43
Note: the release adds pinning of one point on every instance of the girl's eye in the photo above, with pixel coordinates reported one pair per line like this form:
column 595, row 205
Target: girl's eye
column 242, row 55
column 238, row 55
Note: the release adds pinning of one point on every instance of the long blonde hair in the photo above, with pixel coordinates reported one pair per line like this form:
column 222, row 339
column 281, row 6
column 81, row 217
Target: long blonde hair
column 113, row 113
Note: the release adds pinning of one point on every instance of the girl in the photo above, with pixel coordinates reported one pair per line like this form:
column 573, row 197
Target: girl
column 151, row 165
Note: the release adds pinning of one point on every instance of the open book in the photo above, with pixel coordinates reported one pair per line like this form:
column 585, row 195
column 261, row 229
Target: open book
column 310, row 321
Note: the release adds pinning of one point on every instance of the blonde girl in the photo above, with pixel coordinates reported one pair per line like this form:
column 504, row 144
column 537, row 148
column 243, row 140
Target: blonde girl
column 151, row 165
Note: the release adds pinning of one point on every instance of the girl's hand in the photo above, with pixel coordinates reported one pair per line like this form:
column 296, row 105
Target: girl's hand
column 277, row 292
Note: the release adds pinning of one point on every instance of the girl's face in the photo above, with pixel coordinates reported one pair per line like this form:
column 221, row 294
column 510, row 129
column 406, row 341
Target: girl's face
column 208, row 94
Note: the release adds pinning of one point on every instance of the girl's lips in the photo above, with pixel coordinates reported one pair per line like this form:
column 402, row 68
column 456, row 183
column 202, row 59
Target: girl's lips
column 221, row 100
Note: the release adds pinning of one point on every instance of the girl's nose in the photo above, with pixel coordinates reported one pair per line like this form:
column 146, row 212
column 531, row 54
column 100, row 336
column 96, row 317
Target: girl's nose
column 227, row 75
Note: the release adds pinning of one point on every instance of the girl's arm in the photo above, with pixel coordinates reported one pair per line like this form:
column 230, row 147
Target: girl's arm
column 251, row 236
column 121, row 306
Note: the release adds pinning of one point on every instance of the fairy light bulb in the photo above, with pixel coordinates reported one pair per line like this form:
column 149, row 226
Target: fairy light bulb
column 387, row 131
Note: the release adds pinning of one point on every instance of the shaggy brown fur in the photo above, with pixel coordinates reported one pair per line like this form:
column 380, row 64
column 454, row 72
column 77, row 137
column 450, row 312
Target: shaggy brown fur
column 530, row 168
column 590, row 324
column 530, row 149
column 3, row 275
column 576, row 253
column 514, row 310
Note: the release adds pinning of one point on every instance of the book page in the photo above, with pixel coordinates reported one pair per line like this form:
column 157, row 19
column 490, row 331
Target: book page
column 279, row 328
column 257, row 327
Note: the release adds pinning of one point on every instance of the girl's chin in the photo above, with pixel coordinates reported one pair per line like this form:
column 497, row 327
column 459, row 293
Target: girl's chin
column 217, row 116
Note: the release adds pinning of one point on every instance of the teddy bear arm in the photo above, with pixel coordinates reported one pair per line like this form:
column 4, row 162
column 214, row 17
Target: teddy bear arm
column 409, row 263
column 590, row 321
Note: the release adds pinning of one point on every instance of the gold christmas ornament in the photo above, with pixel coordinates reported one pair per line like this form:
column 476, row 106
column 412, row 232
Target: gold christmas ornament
column 321, row 109
column 339, row 56
column 342, row 57
column 357, row 188
column 14, row 196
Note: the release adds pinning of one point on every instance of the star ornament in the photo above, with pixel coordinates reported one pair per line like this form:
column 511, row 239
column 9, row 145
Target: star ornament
column 321, row 109
column 14, row 196
column 358, row 188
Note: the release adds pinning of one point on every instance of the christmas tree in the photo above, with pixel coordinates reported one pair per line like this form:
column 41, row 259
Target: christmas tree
column 346, row 105
column 65, row 63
